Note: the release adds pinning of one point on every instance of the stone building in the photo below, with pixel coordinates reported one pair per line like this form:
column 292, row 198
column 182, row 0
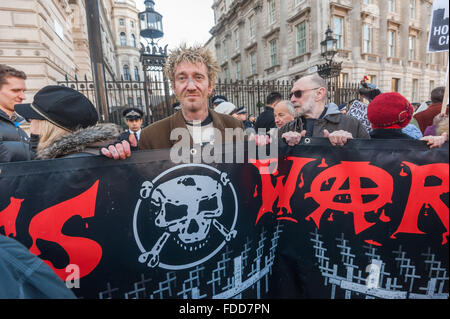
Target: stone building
column 48, row 39
column 385, row 40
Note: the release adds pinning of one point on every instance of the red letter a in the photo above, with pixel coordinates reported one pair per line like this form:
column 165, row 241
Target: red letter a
column 420, row 195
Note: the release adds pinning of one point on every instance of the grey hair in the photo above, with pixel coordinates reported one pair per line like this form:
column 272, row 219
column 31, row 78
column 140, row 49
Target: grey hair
column 318, row 80
column 289, row 107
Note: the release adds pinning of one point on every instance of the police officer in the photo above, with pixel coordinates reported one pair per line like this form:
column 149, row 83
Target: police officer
column 134, row 120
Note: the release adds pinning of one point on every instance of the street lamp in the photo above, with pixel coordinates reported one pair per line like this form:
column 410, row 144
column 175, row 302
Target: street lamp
column 328, row 48
column 153, row 58
column 151, row 22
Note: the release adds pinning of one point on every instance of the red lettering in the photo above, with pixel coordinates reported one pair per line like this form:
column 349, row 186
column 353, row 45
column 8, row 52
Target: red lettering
column 353, row 172
column 8, row 216
column 281, row 191
column 47, row 225
column 420, row 195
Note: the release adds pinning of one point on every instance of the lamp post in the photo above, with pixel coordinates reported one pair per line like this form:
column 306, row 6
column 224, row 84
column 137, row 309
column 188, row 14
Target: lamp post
column 329, row 69
column 152, row 56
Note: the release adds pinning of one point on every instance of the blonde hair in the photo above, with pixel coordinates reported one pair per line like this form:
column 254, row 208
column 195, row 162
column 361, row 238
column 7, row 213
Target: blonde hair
column 195, row 55
column 48, row 134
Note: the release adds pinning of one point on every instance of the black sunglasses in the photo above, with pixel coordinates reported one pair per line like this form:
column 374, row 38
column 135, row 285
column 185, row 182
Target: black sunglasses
column 298, row 94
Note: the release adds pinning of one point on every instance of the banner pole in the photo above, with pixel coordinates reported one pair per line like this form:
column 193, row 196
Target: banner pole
column 445, row 100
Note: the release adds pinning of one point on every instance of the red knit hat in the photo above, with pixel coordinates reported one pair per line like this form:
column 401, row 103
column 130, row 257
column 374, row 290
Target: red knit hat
column 389, row 110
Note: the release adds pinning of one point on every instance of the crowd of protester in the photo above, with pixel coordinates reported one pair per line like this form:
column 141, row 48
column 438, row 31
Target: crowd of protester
column 64, row 123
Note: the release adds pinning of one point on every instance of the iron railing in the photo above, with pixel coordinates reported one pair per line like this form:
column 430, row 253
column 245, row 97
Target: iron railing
column 155, row 99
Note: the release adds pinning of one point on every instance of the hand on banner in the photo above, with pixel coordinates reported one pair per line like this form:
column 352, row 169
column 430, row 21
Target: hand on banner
column 338, row 138
column 293, row 138
column 435, row 141
column 120, row 150
column 260, row 140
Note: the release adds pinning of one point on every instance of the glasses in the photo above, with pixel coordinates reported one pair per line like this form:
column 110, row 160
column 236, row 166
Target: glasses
column 298, row 94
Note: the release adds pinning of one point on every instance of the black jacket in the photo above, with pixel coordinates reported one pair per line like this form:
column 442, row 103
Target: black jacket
column 390, row 134
column 266, row 120
column 333, row 120
column 14, row 142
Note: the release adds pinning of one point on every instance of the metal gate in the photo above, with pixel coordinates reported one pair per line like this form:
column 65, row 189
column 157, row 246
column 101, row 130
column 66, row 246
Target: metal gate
column 150, row 96
column 155, row 99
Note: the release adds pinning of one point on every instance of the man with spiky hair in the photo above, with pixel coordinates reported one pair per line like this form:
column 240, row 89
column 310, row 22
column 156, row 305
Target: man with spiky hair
column 192, row 72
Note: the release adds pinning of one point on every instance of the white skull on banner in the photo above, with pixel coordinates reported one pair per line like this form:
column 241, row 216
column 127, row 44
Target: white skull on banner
column 187, row 205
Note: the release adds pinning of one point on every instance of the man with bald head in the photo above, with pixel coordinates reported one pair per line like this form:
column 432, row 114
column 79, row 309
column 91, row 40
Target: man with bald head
column 315, row 118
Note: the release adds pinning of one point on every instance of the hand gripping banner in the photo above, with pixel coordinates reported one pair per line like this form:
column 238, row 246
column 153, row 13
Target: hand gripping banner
column 368, row 220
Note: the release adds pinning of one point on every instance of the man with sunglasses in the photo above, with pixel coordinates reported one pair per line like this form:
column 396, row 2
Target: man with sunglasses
column 315, row 118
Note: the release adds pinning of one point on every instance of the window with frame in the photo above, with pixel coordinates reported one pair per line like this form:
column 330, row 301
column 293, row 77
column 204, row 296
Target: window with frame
column 367, row 39
column 338, row 30
column 236, row 39
column 133, row 41
column 412, row 47
column 136, row 73
column 271, row 11
column 126, row 73
column 273, row 52
column 238, row 70
column 301, row 38
column 123, row 39
column 224, row 48
column 252, row 63
column 121, row 22
column 392, row 39
column 395, row 85
column 392, row 6
column 226, row 73
column 412, row 9
column 251, row 27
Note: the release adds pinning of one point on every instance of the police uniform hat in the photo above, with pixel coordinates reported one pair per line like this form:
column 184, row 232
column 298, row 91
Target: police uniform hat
column 176, row 106
column 133, row 113
column 215, row 100
column 241, row 110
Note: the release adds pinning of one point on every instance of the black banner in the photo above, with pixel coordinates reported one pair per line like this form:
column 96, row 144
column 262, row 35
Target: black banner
column 439, row 37
column 369, row 220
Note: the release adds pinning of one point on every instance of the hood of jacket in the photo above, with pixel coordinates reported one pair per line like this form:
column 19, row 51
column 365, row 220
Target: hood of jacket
column 89, row 139
column 332, row 108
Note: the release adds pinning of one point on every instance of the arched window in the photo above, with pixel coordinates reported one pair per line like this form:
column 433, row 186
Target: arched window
column 126, row 72
column 133, row 41
column 123, row 39
column 136, row 73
